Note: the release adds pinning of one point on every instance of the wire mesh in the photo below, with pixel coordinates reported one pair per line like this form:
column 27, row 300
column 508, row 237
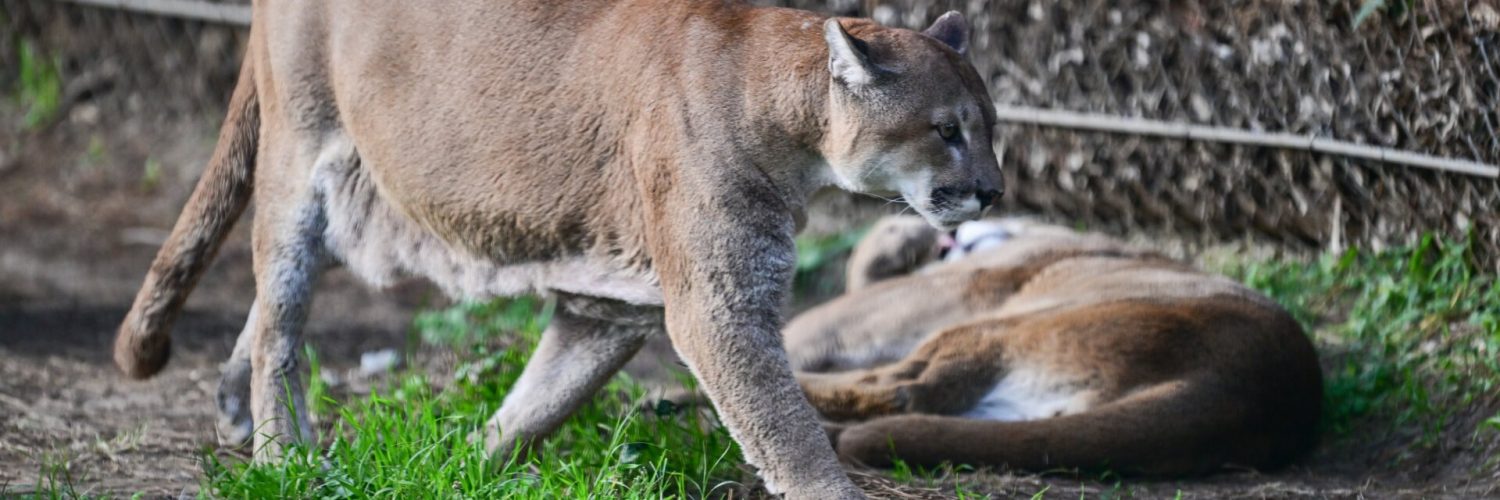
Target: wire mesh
column 1419, row 76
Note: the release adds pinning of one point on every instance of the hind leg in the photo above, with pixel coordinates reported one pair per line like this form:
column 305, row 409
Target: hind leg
column 578, row 353
column 288, row 259
column 289, row 254
column 233, row 397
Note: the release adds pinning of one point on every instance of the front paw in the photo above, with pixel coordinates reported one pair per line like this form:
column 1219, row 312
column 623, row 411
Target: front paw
column 843, row 489
column 502, row 449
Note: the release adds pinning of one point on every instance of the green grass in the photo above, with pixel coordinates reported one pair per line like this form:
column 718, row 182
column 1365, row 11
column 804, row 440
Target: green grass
column 816, row 255
column 1414, row 332
column 95, row 155
column 57, row 476
column 39, row 87
column 150, row 175
column 413, row 440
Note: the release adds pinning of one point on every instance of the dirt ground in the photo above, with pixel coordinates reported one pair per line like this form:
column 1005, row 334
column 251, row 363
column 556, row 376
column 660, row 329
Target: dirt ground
column 80, row 219
column 76, row 235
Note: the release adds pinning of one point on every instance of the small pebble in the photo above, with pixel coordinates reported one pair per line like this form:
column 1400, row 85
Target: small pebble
column 373, row 362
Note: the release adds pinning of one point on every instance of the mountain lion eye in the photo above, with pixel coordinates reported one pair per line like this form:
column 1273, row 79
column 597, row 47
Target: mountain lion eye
column 948, row 131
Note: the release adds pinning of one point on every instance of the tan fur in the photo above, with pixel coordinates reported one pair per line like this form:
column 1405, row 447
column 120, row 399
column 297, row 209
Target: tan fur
column 893, row 247
column 638, row 159
column 1060, row 350
column 143, row 343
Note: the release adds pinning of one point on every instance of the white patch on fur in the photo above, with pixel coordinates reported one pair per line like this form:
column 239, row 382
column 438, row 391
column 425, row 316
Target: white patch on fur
column 824, row 175
column 981, row 235
column 916, row 189
column 1029, row 394
column 380, row 245
column 970, row 204
column 844, row 60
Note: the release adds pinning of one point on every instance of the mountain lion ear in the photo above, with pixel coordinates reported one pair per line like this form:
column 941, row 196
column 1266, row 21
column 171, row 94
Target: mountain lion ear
column 847, row 57
column 951, row 29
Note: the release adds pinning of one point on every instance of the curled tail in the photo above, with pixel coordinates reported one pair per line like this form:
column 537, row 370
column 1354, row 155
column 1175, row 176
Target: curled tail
column 1163, row 432
column 143, row 343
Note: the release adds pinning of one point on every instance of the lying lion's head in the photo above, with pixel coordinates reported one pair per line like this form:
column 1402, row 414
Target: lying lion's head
column 909, row 115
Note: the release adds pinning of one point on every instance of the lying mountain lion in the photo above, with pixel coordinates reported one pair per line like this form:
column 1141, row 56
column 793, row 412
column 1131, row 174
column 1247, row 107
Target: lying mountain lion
column 1037, row 347
column 645, row 161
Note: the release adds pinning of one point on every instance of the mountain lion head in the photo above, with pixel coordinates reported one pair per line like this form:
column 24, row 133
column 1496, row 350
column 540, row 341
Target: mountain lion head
column 909, row 116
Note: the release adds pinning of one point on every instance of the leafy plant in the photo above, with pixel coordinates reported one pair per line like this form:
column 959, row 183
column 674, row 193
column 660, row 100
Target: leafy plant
column 471, row 322
column 40, row 85
column 319, row 403
column 150, row 175
column 816, row 253
column 1420, row 328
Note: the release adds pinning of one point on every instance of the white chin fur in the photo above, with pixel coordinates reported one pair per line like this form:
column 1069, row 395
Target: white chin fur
column 948, row 220
column 944, row 222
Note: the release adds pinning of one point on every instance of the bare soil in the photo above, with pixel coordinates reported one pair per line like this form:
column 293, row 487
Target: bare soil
column 77, row 232
column 80, row 219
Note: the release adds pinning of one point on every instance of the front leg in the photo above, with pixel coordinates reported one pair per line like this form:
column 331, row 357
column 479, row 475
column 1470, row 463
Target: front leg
column 860, row 394
column 725, row 266
column 946, row 375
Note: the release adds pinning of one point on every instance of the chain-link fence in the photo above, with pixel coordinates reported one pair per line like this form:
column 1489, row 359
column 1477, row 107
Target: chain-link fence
column 1419, row 76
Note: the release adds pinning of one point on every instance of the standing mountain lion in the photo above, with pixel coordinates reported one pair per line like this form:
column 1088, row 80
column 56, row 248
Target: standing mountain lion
column 1037, row 347
column 645, row 161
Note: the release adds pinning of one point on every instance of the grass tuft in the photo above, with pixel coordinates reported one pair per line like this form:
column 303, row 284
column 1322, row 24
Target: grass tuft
column 1414, row 333
column 39, row 88
column 1410, row 334
column 413, row 439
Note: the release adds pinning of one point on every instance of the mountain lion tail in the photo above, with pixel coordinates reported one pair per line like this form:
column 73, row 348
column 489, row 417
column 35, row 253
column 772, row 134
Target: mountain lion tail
column 1168, row 430
column 143, row 343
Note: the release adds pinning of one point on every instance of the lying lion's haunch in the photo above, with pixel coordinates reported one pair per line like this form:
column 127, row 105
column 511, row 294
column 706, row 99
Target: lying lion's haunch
column 1055, row 349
